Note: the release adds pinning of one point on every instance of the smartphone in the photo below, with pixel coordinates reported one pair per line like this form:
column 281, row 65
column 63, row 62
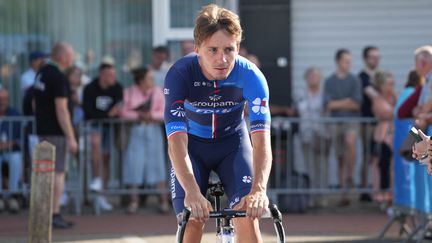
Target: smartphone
column 414, row 132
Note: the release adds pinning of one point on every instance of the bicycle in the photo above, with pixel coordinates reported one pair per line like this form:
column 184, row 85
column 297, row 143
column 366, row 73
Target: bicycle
column 225, row 232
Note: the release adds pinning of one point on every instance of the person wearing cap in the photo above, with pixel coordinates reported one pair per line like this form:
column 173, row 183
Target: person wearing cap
column 27, row 78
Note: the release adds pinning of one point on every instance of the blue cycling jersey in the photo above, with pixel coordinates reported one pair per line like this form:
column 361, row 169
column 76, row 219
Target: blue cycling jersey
column 214, row 108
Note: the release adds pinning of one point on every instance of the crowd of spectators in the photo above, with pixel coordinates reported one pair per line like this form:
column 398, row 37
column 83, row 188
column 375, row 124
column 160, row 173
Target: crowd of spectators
column 61, row 96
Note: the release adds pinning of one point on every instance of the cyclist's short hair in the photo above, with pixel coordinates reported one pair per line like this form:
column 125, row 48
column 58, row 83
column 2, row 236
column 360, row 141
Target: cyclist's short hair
column 211, row 19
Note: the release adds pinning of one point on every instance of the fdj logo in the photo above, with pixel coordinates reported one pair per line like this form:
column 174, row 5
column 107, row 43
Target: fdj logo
column 260, row 106
column 177, row 109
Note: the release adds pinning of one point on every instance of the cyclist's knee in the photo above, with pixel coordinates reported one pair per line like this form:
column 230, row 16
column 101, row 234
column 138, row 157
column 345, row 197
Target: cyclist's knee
column 194, row 225
column 247, row 230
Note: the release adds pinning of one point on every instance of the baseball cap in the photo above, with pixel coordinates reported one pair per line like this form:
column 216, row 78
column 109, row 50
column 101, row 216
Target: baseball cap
column 36, row 55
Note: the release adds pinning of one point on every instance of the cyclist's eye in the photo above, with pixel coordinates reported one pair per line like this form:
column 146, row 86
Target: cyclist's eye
column 213, row 50
column 229, row 49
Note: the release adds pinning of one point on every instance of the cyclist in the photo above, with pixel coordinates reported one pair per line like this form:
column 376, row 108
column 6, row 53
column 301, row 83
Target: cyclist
column 205, row 95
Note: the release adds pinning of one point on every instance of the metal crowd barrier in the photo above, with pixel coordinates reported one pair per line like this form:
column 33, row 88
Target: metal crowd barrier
column 16, row 129
column 299, row 167
column 22, row 129
column 304, row 160
column 114, row 136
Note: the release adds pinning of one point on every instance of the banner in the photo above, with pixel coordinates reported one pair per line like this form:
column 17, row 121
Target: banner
column 412, row 184
column 404, row 171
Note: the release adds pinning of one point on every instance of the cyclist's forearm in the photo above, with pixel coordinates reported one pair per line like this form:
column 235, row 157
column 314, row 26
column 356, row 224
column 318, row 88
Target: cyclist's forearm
column 177, row 150
column 262, row 160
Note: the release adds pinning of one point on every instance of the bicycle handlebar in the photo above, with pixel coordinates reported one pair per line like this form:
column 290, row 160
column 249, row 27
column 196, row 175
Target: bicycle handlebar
column 272, row 212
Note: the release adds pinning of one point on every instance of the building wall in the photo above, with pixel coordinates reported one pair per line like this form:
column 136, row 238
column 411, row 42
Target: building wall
column 319, row 27
column 121, row 29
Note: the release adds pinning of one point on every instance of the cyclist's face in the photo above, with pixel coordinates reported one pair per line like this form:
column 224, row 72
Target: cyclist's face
column 217, row 55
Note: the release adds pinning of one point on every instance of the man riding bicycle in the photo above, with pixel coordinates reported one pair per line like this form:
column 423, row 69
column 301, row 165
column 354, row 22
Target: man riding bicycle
column 205, row 96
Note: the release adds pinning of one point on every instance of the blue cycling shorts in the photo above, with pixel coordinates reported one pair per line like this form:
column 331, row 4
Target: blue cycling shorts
column 229, row 157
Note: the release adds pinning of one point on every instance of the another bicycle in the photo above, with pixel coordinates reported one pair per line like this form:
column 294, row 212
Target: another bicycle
column 224, row 228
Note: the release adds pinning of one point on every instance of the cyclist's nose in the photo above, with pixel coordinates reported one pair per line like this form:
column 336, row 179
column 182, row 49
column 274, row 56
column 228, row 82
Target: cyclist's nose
column 222, row 57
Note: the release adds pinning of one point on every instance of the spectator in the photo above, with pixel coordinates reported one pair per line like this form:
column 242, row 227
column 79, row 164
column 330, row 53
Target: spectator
column 313, row 135
column 133, row 61
column 10, row 151
column 254, row 59
column 423, row 111
column 342, row 98
column 383, row 106
column 6, row 75
column 145, row 157
column 412, row 87
column 75, row 75
column 187, row 47
column 27, row 79
column 102, row 99
column 159, row 65
column 371, row 58
column 53, row 118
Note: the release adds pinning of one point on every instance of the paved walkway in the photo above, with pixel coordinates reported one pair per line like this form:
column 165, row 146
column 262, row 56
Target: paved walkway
column 330, row 225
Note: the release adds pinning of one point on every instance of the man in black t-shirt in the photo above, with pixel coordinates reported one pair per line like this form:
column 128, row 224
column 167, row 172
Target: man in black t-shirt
column 53, row 117
column 371, row 58
column 102, row 100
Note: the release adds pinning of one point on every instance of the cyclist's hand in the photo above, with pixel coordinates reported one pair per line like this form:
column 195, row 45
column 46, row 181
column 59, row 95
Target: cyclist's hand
column 255, row 203
column 199, row 206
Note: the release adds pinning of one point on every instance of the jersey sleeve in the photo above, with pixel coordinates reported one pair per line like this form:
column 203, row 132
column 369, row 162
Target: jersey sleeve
column 175, row 91
column 255, row 91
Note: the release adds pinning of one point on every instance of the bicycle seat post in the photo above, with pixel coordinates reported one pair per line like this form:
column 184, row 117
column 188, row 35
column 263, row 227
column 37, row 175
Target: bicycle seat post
column 217, row 191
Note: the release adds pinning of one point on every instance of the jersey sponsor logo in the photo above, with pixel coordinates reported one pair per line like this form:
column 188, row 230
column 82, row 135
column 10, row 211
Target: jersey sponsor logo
column 202, row 84
column 233, row 202
column 229, row 83
column 177, row 109
column 177, row 127
column 166, row 91
column 247, row 179
column 213, row 104
column 211, row 111
column 259, row 126
column 172, row 182
column 215, row 97
column 260, row 106
column 103, row 102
